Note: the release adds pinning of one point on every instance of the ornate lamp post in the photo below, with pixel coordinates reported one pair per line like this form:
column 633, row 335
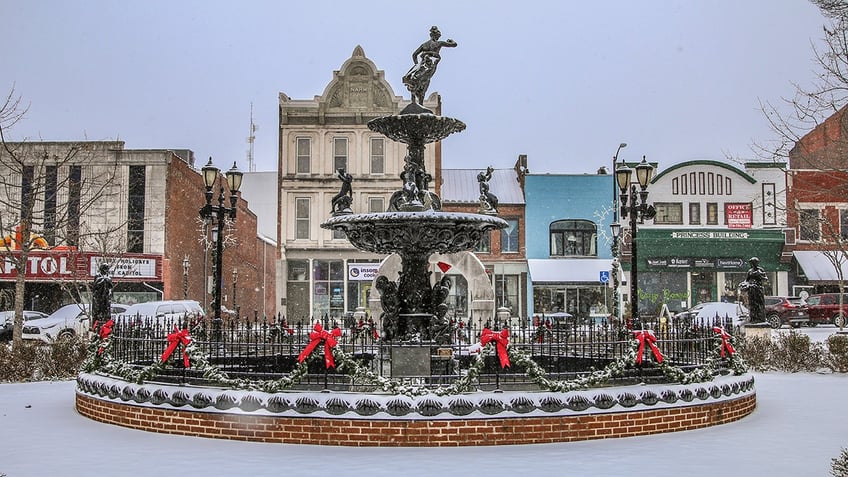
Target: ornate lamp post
column 638, row 209
column 185, row 277
column 218, row 213
column 615, row 228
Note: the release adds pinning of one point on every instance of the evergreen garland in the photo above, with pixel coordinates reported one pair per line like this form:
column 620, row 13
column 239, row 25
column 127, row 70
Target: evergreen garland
column 100, row 359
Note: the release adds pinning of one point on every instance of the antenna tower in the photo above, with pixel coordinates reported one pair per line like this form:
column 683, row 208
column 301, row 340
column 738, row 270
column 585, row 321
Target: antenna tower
column 251, row 166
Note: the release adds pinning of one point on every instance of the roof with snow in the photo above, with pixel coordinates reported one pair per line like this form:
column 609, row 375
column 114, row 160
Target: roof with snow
column 461, row 186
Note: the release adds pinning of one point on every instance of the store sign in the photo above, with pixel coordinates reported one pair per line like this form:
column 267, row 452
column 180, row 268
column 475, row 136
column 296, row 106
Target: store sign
column 71, row 265
column 711, row 235
column 699, row 263
column 362, row 271
column 125, row 267
column 739, row 215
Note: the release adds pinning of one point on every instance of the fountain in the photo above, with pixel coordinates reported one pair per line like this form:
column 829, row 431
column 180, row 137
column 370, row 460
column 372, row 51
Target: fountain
column 192, row 396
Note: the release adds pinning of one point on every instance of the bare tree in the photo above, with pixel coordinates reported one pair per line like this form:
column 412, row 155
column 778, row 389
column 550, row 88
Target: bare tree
column 55, row 196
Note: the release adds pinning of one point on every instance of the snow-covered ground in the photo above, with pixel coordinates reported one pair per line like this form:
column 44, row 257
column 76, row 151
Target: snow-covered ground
column 800, row 424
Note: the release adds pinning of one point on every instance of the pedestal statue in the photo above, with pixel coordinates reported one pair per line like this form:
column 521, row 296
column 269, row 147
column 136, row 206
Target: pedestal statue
column 753, row 285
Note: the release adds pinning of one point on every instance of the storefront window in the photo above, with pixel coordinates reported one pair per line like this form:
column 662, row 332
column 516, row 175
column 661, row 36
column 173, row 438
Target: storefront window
column 328, row 288
column 506, row 292
column 458, row 299
column 297, row 291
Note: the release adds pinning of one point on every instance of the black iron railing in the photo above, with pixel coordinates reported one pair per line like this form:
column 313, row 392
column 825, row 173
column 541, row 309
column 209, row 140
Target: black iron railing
column 262, row 349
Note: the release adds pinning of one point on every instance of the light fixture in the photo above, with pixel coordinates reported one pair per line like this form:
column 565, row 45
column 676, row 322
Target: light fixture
column 210, row 173
column 234, row 177
column 623, row 175
column 615, row 228
column 644, row 173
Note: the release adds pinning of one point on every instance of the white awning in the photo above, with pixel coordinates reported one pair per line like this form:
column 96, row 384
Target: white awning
column 566, row 270
column 819, row 266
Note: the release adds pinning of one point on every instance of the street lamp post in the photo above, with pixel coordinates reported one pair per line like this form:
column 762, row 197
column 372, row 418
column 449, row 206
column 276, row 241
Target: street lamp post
column 615, row 228
column 185, row 277
column 638, row 209
column 218, row 213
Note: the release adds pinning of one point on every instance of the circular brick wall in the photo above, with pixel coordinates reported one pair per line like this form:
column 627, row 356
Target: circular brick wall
column 493, row 418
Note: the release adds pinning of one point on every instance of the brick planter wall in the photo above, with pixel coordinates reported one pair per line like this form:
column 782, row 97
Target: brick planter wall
column 434, row 433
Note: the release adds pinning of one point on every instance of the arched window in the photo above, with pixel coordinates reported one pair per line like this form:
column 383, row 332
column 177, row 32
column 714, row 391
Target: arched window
column 570, row 238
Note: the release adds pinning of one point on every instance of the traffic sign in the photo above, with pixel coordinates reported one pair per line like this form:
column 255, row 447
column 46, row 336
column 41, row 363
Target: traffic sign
column 604, row 276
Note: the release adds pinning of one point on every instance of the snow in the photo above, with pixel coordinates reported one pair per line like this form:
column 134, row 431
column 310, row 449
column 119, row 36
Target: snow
column 798, row 427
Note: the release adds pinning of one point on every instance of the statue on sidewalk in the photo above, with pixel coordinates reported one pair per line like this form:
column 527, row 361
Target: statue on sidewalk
column 754, row 287
column 101, row 303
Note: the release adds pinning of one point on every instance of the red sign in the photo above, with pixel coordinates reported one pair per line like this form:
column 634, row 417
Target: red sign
column 69, row 265
column 739, row 215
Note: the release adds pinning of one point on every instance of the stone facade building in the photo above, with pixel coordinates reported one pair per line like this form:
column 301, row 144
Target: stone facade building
column 319, row 272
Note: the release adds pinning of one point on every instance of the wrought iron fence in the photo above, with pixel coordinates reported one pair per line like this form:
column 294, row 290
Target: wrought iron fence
column 262, row 349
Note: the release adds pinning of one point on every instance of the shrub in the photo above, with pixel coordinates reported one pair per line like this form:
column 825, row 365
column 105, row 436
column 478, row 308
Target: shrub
column 837, row 359
column 756, row 351
column 793, row 352
column 32, row 361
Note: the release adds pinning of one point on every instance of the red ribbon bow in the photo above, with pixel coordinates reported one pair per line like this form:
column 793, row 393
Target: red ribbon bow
column 501, row 340
column 105, row 331
column 175, row 339
column 647, row 336
column 725, row 341
column 317, row 336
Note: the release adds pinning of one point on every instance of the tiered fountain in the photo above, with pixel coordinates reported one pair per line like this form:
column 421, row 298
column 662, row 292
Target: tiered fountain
column 390, row 413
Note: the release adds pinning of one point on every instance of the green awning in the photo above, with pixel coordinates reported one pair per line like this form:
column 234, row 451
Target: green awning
column 708, row 249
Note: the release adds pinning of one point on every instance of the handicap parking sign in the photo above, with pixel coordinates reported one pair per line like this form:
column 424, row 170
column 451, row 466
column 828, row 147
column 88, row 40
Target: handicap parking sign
column 604, row 276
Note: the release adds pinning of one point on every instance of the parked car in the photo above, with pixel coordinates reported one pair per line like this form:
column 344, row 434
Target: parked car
column 7, row 320
column 559, row 320
column 164, row 310
column 824, row 309
column 70, row 320
column 737, row 313
column 786, row 310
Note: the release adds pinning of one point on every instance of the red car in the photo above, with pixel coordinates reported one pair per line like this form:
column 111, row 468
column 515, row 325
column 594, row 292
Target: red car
column 824, row 309
column 786, row 310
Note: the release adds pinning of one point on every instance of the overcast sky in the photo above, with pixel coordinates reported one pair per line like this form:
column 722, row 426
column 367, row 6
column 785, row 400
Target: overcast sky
column 561, row 81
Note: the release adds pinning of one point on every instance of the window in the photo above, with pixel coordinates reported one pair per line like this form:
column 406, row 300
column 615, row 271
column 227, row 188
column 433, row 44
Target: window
column 328, row 287
column 27, row 200
column 135, row 210
column 51, row 182
column 712, row 213
column 694, row 213
column 376, row 205
column 809, row 226
column 301, row 218
column 339, row 153
column 509, row 237
column 378, row 156
column 485, row 245
column 669, row 213
column 74, row 197
column 506, row 292
column 339, row 234
column 573, row 238
column 843, row 223
column 304, row 155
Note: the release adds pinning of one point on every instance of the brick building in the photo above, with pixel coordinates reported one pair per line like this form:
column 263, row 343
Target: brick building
column 136, row 210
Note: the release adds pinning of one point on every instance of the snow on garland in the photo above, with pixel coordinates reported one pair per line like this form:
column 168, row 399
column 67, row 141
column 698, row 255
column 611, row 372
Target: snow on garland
column 100, row 359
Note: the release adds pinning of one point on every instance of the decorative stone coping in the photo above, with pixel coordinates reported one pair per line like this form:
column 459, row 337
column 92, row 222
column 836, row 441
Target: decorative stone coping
column 363, row 419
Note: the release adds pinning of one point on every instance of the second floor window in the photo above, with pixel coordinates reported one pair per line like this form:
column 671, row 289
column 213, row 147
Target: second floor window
column 668, row 213
column 301, row 218
column 509, row 237
column 485, row 245
column 574, row 238
column 340, row 153
column 712, row 213
column 843, row 223
column 376, row 205
column 378, row 155
column 303, row 156
column 695, row 213
column 808, row 224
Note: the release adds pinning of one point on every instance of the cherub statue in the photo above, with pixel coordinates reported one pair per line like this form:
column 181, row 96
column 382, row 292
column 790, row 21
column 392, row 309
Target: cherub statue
column 488, row 201
column 341, row 202
column 426, row 58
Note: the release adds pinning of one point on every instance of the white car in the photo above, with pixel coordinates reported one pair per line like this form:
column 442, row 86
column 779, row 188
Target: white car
column 164, row 310
column 70, row 320
column 736, row 312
